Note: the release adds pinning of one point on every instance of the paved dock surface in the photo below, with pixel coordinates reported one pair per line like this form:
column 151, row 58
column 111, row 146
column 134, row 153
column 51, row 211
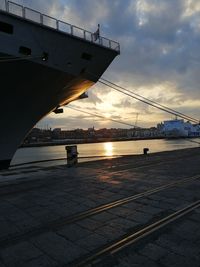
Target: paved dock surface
column 61, row 216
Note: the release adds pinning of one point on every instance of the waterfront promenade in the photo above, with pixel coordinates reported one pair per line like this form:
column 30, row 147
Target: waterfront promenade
column 129, row 211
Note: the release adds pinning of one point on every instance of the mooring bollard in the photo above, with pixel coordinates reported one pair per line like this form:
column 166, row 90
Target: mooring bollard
column 145, row 150
column 72, row 155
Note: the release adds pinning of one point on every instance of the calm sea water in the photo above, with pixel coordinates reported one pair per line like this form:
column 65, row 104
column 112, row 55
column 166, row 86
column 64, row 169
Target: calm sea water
column 102, row 149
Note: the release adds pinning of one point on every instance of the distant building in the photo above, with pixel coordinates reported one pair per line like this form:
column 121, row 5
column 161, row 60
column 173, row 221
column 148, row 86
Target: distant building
column 38, row 135
column 179, row 128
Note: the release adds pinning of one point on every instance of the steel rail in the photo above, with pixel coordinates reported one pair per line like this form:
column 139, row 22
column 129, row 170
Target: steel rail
column 136, row 236
column 89, row 213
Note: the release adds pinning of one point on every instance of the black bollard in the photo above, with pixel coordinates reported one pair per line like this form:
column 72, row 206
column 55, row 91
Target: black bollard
column 145, row 150
column 72, row 155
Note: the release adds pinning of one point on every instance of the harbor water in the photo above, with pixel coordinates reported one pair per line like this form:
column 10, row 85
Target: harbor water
column 102, row 149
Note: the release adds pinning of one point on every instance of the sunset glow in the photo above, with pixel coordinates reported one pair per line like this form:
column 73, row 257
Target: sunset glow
column 108, row 147
column 159, row 59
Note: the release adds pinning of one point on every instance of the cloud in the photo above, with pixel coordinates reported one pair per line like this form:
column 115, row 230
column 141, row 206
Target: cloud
column 92, row 98
column 159, row 53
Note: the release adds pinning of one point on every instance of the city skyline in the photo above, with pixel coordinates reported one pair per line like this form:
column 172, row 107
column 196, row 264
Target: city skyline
column 159, row 58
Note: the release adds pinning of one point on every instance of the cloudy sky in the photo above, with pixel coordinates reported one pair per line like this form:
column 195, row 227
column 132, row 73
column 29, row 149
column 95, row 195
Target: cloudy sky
column 160, row 58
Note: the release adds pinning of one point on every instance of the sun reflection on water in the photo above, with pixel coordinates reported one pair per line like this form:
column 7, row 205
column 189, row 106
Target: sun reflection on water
column 108, row 149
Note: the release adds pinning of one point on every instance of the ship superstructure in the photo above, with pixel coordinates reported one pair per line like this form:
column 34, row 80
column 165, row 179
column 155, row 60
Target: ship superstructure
column 44, row 63
column 179, row 128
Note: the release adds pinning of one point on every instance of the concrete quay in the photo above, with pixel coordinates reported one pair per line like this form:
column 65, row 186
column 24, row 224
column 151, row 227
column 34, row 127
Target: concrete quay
column 59, row 216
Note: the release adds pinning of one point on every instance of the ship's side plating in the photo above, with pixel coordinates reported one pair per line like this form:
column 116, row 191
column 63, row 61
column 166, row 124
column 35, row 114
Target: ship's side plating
column 51, row 69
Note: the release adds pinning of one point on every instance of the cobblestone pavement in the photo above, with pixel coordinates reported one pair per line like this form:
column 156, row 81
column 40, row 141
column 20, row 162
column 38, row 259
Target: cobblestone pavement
column 36, row 204
column 177, row 245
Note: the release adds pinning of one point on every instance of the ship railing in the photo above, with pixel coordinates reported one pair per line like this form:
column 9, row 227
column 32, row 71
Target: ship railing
column 61, row 26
